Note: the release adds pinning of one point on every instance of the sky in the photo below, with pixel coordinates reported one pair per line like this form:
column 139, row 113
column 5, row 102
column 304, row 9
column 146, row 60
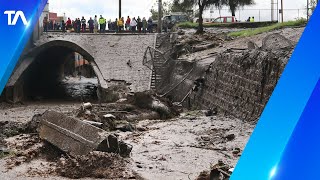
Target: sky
column 134, row 8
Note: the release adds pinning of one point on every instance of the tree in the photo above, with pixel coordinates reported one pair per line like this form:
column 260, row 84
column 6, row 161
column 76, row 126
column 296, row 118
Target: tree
column 154, row 13
column 202, row 5
column 235, row 4
column 313, row 5
column 184, row 6
column 166, row 9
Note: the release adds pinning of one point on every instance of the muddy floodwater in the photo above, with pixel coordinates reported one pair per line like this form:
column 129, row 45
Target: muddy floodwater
column 80, row 88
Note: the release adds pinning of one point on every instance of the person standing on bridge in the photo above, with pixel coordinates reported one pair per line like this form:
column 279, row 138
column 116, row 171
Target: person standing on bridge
column 74, row 25
column 144, row 25
column 68, row 24
column 139, row 24
column 102, row 22
column 116, row 27
column 120, row 24
column 78, row 23
column 91, row 25
column 110, row 25
column 150, row 22
column 54, row 25
column 50, row 25
column 63, row 26
column 133, row 24
column 128, row 23
column 45, row 24
column 83, row 24
column 96, row 24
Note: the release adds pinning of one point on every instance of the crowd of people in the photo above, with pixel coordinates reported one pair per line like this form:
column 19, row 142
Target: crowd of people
column 101, row 25
column 51, row 25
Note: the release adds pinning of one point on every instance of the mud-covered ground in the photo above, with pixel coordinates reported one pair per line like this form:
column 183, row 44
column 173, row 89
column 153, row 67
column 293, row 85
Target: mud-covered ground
column 208, row 56
column 183, row 147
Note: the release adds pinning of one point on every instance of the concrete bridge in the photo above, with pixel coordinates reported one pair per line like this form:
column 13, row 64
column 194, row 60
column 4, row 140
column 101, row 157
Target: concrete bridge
column 114, row 58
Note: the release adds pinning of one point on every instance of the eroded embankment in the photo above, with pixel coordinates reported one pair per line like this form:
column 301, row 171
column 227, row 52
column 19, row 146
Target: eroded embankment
column 241, row 83
column 238, row 82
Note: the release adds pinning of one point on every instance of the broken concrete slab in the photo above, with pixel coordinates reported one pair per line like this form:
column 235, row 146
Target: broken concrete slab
column 77, row 137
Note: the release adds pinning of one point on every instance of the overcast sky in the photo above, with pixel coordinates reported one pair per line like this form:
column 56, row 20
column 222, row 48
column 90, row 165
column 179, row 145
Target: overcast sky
column 109, row 9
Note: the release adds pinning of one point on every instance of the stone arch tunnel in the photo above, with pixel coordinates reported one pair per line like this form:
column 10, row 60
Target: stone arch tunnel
column 44, row 67
column 40, row 67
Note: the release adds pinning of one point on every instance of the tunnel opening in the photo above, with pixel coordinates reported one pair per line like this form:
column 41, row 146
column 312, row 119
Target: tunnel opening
column 60, row 73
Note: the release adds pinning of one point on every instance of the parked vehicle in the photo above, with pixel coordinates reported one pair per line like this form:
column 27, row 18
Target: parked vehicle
column 205, row 20
column 169, row 21
column 225, row 19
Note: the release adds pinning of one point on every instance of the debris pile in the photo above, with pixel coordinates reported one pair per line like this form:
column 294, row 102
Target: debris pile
column 186, row 44
column 123, row 114
column 53, row 161
column 70, row 148
column 162, row 106
column 8, row 129
column 220, row 171
column 81, row 144
column 95, row 165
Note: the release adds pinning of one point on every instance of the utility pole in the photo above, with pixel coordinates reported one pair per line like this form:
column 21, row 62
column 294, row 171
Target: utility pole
column 282, row 11
column 160, row 16
column 272, row 10
column 119, row 9
column 277, row 10
column 307, row 10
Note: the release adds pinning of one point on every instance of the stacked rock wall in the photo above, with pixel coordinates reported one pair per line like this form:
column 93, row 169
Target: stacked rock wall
column 241, row 83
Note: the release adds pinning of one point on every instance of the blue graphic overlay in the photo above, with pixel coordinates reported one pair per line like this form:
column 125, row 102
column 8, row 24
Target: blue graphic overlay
column 301, row 157
column 266, row 146
column 17, row 21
